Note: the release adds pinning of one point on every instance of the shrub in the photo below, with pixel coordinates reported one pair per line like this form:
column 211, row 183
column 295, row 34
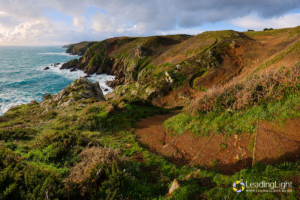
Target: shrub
column 16, row 133
column 98, row 175
column 256, row 90
column 21, row 181
column 268, row 29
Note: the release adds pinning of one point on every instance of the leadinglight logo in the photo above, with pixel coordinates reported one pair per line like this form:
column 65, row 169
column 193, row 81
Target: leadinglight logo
column 263, row 186
column 235, row 186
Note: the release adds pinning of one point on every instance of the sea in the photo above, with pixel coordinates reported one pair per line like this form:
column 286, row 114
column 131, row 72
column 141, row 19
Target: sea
column 23, row 78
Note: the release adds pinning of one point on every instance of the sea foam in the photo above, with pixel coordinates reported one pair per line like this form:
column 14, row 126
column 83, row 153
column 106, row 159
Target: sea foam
column 23, row 78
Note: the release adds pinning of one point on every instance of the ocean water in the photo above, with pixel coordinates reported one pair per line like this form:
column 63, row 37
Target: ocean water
column 23, row 79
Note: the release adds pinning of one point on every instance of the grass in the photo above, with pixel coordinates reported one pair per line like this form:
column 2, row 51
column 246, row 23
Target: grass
column 142, row 175
column 273, row 32
column 235, row 122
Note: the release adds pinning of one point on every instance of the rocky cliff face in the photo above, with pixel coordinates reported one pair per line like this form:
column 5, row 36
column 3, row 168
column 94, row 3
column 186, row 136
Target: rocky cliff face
column 78, row 91
column 79, row 48
column 170, row 70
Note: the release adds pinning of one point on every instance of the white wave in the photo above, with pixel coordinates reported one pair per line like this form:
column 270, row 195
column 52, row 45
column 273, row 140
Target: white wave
column 77, row 74
column 63, row 54
column 16, row 98
column 5, row 107
column 13, row 98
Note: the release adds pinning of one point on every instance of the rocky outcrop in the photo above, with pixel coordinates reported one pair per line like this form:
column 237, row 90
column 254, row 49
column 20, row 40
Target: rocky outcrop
column 70, row 65
column 79, row 90
column 139, row 52
column 79, row 48
column 46, row 68
column 175, row 185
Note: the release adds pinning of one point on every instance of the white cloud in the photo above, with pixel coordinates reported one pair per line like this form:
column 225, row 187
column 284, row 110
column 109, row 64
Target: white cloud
column 181, row 31
column 79, row 21
column 103, row 23
column 23, row 22
column 254, row 21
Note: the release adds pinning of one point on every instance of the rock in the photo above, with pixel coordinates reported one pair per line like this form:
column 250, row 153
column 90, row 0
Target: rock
column 137, row 85
column 82, row 105
column 232, row 45
column 124, row 90
column 33, row 103
column 121, row 105
column 175, row 185
column 87, row 76
column 111, row 95
column 134, row 92
column 56, row 64
column 67, row 103
column 47, row 96
column 112, row 84
column 69, row 65
column 178, row 66
column 168, row 78
column 139, row 52
column 73, row 70
column 86, row 94
column 60, row 95
column 149, row 90
column 110, row 108
column 105, row 90
column 80, row 87
column 46, row 68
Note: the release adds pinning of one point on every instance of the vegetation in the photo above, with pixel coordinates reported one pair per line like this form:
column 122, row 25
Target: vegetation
column 235, row 109
column 90, row 150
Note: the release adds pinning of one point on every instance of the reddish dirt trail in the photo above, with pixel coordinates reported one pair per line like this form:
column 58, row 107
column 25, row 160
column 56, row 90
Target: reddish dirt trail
column 225, row 154
column 205, row 151
column 275, row 146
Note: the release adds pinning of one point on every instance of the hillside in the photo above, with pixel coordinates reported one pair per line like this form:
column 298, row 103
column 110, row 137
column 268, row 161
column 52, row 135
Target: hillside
column 198, row 112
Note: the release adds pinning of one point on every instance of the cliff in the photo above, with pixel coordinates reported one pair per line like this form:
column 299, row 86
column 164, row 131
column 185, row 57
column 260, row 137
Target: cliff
column 79, row 48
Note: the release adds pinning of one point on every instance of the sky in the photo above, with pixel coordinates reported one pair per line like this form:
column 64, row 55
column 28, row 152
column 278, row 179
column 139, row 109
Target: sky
column 59, row 22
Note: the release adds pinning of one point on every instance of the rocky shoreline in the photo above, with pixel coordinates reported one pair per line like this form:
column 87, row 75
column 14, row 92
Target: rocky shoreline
column 109, row 84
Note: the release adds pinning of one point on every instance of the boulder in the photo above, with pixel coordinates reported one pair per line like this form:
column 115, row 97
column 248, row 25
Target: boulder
column 168, row 77
column 69, row 65
column 73, row 70
column 46, row 68
column 47, row 96
column 80, row 89
column 149, row 90
column 134, row 92
column 33, row 102
column 139, row 52
column 175, row 185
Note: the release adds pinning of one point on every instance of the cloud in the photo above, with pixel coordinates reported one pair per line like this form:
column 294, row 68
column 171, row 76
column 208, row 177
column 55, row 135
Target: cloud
column 134, row 17
column 254, row 21
column 79, row 21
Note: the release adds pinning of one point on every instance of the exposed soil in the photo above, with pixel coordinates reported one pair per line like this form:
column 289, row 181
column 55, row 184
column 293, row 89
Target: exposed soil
column 216, row 152
column 225, row 154
column 274, row 147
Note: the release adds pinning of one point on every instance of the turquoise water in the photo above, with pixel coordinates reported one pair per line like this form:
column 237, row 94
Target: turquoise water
column 23, row 79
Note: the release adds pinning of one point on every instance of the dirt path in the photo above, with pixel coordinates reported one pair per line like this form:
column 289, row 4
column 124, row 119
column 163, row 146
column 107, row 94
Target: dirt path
column 212, row 152
column 225, row 154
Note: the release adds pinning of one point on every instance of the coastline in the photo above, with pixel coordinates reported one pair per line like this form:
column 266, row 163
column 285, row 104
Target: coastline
column 20, row 95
